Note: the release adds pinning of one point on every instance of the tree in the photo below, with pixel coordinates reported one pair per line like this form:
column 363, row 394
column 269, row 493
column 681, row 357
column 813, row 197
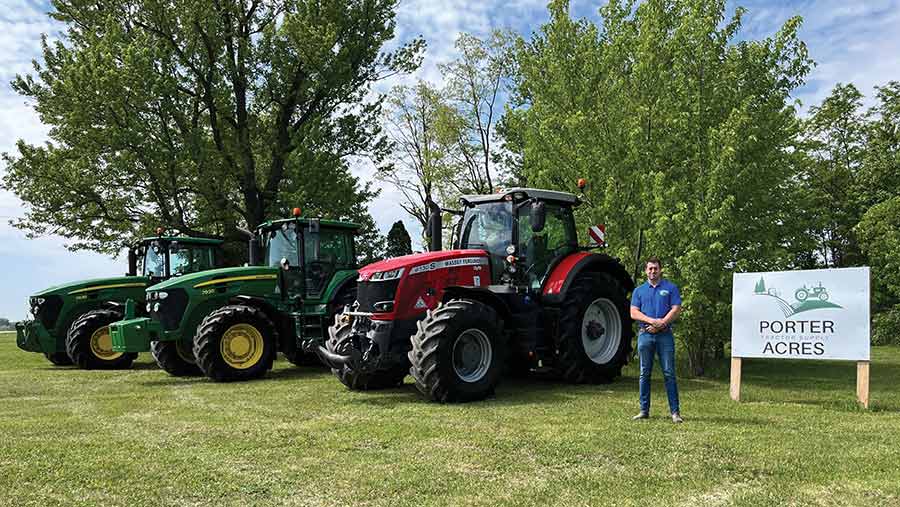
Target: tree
column 834, row 141
column 444, row 143
column 199, row 116
column 398, row 241
column 474, row 83
column 681, row 131
column 419, row 166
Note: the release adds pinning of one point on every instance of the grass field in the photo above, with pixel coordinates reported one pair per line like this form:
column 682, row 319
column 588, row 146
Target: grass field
column 142, row 438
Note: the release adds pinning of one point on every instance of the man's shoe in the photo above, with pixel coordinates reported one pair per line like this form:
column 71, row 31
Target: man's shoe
column 676, row 418
column 641, row 415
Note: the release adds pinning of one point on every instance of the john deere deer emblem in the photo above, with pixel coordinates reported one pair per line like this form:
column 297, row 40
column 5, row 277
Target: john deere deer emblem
column 814, row 297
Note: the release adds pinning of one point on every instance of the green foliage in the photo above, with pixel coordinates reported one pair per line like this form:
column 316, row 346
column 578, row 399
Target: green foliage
column 681, row 131
column 886, row 327
column 201, row 116
column 398, row 241
column 829, row 198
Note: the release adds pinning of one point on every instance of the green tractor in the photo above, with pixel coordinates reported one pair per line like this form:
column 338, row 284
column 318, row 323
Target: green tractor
column 71, row 321
column 229, row 324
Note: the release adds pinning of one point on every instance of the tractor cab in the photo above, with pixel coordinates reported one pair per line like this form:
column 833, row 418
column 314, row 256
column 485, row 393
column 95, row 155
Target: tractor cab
column 160, row 258
column 525, row 232
column 308, row 250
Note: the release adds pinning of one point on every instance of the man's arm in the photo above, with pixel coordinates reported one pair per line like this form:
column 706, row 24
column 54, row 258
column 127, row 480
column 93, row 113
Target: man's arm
column 639, row 316
column 671, row 316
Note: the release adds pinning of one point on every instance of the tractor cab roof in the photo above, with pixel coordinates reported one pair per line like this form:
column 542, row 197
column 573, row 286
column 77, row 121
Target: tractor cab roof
column 181, row 239
column 520, row 194
column 272, row 224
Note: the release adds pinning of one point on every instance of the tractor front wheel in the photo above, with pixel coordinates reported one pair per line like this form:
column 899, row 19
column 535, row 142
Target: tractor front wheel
column 458, row 352
column 235, row 342
column 353, row 378
column 594, row 331
column 176, row 358
column 89, row 344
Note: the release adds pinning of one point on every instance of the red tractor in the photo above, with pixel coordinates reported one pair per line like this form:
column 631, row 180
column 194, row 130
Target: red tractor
column 518, row 293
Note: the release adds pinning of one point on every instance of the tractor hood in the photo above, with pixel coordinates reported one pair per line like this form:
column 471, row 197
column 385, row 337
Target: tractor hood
column 223, row 274
column 423, row 261
column 86, row 286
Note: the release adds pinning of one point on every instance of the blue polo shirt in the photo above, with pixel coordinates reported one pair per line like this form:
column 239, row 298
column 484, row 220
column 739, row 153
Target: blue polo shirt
column 655, row 302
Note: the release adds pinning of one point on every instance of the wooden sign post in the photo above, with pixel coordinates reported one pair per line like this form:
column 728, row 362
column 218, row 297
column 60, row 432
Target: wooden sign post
column 862, row 381
column 736, row 378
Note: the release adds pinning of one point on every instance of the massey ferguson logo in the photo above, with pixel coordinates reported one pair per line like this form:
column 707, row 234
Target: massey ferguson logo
column 449, row 263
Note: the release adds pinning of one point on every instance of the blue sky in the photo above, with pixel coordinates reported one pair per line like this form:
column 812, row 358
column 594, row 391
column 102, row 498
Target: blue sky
column 857, row 42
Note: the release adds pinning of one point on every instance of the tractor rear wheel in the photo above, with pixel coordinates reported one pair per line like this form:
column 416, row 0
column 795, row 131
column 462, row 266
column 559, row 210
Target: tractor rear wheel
column 458, row 352
column 59, row 358
column 235, row 342
column 176, row 358
column 595, row 332
column 355, row 379
column 89, row 344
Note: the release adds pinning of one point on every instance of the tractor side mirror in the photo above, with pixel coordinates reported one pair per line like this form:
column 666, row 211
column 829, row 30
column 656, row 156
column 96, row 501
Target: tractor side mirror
column 255, row 252
column 132, row 262
column 538, row 216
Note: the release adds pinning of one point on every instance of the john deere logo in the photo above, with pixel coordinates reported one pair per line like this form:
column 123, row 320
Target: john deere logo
column 807, row 298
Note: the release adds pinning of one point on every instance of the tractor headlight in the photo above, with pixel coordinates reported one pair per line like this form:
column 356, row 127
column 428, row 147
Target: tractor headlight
column 388, row 275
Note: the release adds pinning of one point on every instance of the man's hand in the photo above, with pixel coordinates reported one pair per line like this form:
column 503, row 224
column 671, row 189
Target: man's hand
column 652, row 329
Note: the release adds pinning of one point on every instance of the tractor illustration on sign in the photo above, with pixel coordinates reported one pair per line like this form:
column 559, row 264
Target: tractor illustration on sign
column 802, row 294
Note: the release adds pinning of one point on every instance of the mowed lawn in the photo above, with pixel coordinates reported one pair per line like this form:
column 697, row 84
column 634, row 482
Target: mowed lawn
column 298, row 437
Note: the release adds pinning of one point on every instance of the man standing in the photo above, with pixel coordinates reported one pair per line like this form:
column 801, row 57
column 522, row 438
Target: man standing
column 654, row 305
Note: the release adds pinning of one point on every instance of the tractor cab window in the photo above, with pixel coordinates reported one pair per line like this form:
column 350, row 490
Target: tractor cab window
column 539, row 250
column 185, row 259
column 154, row 261
column 282, row 244
column 488, row 227
column 326, row 252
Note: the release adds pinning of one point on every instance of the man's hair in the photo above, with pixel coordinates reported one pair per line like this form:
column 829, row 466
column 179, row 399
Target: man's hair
column 653, row 260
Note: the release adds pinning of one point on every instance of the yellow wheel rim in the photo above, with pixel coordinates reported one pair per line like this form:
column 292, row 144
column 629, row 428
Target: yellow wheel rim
column 101, row 345
column 242, row 346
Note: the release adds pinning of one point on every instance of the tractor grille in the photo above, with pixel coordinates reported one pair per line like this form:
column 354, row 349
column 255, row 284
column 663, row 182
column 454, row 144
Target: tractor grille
column 368, row 293
column 171, row 309
column 49, row 311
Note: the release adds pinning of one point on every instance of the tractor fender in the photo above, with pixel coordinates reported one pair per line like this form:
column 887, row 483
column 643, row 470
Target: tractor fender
column 567, row 270
column 481, row 294
column 283, row 323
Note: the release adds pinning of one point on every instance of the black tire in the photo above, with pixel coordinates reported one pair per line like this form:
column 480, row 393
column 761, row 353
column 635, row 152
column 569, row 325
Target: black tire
column 434, row 365
column 175, row 358
column 573, row 364
column 85, row 342
column 208, row 343
column 355, row 379
column 59, row 358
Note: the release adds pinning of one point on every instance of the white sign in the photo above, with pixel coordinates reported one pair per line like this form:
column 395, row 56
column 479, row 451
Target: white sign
column 814, row 314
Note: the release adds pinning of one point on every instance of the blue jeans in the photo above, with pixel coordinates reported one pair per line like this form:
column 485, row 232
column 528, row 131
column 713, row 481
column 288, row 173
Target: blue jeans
column 664, row 344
